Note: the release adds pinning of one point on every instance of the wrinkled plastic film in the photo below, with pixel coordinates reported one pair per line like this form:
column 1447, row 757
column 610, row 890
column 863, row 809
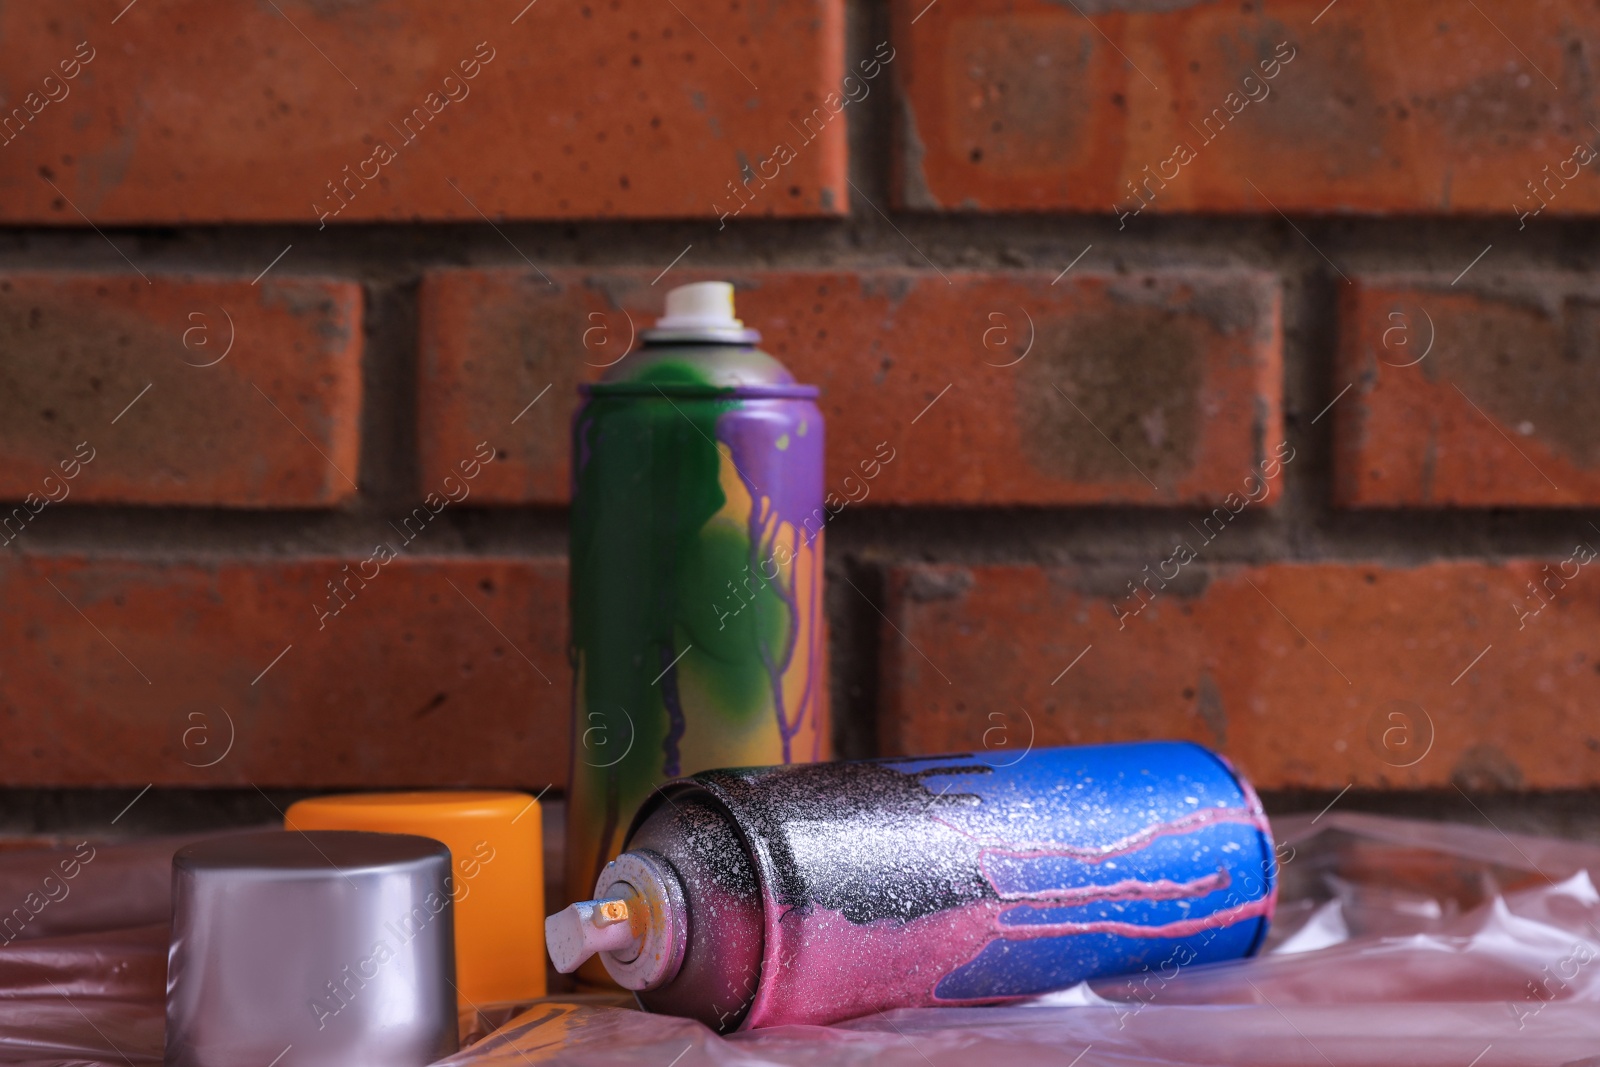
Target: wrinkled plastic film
column 1395, row 941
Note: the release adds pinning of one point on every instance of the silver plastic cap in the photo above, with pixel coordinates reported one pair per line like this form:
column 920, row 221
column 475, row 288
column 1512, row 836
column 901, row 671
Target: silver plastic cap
column 311, row 949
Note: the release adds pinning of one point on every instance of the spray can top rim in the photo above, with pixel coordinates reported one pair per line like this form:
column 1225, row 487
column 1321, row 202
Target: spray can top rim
column 699, row 349
column 700, row 313
column 638, row 923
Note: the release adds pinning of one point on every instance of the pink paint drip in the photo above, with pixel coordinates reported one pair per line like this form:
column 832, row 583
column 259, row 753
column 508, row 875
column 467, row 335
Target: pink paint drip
column 1127, row 889
column 1178, row 928
column 821, row 967
column 1253, row 802
column 1197, row 820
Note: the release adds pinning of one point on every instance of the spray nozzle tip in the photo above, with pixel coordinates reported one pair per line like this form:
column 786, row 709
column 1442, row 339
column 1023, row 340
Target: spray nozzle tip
column 700, row 306
column 579, row 930
column 638, row 922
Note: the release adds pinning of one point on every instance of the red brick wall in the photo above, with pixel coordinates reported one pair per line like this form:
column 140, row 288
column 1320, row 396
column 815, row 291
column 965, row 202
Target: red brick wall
column 1235, row 360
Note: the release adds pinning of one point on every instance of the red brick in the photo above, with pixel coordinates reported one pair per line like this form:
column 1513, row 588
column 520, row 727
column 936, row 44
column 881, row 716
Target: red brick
column 120, row 364
column 1468, row 395
column 1420, row 107
column 193, row 112
column 429, row 676
column 1180, row 370
column 1291, row 669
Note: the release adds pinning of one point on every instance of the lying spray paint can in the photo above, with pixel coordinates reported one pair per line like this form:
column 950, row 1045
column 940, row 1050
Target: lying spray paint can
column 811, row 894
column 696, row 584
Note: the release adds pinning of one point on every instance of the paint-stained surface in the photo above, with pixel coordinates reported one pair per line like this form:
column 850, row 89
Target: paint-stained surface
column 1048, row 105
column 971, row 879
column 1004, row 388
column 179, row 390
column 321, row 113
column 1468, row 395
column 1306, row 675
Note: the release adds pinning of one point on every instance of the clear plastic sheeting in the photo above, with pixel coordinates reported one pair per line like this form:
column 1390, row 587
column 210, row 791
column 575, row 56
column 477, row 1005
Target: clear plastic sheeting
column 83, row 950
column 1395, row 942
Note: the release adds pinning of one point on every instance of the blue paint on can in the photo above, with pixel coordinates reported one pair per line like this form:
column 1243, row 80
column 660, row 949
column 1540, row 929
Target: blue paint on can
column 959, row 879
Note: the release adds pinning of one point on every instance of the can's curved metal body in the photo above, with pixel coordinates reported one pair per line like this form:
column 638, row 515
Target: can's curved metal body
column 698, row 637
column 818, row 893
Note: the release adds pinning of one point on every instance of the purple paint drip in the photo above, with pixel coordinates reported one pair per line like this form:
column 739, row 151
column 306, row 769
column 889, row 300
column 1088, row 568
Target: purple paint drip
column 751, row 434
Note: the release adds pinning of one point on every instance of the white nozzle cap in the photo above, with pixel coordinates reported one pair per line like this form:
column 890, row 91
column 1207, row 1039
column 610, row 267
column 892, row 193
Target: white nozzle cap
column 700, row 306
column 582, row 929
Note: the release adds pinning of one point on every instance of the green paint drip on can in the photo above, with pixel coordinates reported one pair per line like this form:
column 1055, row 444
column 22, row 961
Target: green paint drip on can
column 698, row 638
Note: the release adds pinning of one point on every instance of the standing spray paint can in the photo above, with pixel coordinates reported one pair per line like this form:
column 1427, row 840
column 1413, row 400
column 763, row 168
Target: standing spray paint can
column 811, row 894
column 698, row 638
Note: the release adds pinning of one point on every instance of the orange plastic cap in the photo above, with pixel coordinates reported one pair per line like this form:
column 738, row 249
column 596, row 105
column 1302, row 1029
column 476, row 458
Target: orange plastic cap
column 497, row 877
